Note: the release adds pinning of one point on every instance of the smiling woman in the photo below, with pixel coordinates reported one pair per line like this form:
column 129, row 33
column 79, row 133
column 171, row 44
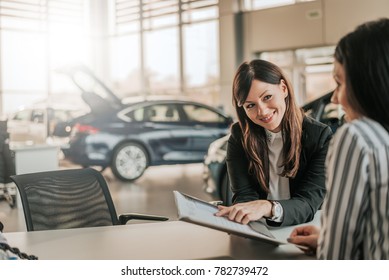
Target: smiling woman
column 264, row 105
column 215, row 176
column 275, row 155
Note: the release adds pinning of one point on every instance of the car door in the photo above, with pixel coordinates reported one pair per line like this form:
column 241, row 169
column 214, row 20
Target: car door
column 38, row 126
column 174, row 143
column 206, row 125
column 28, row 126
column 159, row 126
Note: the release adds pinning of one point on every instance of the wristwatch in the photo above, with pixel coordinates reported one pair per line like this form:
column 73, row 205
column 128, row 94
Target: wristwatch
column 276, row 210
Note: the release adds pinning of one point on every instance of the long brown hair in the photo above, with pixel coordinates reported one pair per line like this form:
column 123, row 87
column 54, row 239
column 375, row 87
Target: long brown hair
column 254, row 136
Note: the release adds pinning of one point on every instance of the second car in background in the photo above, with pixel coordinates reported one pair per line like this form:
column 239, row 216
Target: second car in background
column 36, row 124
column 215, row 175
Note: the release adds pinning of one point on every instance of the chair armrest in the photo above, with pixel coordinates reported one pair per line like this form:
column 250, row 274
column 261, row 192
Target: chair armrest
column 124, row 218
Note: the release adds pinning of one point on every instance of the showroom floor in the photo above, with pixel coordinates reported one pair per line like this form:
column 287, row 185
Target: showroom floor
column 150, row 194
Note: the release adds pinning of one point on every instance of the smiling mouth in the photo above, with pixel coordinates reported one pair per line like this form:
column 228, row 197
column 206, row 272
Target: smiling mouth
column 268, row 118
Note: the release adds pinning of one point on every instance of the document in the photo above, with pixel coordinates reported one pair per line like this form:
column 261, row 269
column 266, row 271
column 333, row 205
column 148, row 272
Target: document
column 194, row 210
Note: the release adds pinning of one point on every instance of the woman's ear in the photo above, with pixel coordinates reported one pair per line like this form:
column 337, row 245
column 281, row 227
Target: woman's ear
column 284, row 88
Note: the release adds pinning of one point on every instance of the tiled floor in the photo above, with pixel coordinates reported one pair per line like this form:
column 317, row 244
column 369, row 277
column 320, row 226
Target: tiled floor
column 150, row 194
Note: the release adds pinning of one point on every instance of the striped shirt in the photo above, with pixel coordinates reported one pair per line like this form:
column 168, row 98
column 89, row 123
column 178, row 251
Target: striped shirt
column 355, row 219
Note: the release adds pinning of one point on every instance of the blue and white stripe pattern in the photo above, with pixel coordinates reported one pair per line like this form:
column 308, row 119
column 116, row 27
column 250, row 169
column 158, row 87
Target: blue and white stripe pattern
column 355, row 219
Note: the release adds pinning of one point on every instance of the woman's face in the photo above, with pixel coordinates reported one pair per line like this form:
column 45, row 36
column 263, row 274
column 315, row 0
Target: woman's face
column 265, row 104
column 339, row 96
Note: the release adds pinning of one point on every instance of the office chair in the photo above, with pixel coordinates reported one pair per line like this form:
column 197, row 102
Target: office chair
column 7, row 167
column 72, row 198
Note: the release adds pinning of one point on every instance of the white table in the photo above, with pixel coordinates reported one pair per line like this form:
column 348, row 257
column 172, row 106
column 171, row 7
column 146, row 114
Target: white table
column 174, row 240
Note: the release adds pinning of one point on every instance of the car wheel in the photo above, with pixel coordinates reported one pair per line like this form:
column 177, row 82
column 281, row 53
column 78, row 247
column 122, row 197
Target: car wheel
column 225, row 190
column 129, row 161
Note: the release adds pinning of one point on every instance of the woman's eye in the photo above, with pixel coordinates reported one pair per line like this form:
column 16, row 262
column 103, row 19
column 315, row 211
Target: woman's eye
column 267, row 97
column 249, row 106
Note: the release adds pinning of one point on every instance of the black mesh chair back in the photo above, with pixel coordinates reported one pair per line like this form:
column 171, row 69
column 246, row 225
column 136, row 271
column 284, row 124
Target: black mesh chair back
column 7, row 166
column 72, row 198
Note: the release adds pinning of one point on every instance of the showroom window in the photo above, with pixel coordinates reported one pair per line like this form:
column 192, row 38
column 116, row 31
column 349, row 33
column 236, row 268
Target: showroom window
column 36, row 38
column 164, row 48
column 252, row 5
column 154, row 47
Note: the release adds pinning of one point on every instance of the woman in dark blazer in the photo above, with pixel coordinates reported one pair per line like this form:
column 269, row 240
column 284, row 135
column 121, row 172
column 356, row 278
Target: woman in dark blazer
column 276, row 154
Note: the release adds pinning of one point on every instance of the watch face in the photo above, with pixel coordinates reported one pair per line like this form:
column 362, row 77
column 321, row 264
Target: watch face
column 276, row 210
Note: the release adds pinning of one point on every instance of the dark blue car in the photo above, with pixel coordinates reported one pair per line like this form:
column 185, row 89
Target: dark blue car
column 130, row 136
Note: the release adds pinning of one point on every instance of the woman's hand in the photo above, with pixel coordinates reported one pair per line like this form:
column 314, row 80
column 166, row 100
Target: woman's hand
column 306, row 236
column 245, row 212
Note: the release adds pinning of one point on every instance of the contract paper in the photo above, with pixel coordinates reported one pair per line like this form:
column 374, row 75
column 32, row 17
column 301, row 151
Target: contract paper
column 193, row 210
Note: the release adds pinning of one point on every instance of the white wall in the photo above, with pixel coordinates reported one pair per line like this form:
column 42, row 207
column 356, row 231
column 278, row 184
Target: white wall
column 342, row 16
column 306, row 24
column 285, row 27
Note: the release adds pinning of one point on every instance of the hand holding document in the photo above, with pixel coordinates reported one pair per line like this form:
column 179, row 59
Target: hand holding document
column 193, row 210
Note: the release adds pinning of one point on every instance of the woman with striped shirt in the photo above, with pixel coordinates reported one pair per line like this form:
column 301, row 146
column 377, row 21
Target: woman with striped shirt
column 355, row 219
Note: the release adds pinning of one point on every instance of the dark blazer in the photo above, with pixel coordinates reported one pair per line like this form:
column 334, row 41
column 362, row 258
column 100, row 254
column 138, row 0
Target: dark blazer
column 307, row 189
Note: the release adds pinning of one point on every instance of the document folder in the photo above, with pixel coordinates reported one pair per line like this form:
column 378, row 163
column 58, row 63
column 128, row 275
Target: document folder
column 196, row 211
